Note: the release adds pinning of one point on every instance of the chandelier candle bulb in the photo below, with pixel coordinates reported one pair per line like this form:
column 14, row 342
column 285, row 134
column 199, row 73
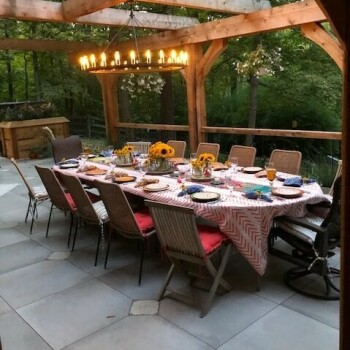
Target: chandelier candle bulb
column 103, row 59
column 148, row 56
column 132, row 57
column 117, row 58
column 161, row 56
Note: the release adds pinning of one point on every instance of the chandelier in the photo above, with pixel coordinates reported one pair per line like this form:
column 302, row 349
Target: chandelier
column 109, row 62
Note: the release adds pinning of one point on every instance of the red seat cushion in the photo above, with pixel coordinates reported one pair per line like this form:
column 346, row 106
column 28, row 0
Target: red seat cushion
column 70, row 201
column 211, row 237
column 144, row 220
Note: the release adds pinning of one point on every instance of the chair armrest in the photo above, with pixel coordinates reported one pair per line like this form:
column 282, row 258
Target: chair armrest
column 301, row 222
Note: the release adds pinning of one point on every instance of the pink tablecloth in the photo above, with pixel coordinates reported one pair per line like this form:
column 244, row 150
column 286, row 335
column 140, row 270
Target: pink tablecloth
column 246, row 222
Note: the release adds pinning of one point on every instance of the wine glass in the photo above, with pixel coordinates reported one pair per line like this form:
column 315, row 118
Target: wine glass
column 84, row 157
column 270, row 172
column 234, row 163
column 229, row 183
column 143, row 167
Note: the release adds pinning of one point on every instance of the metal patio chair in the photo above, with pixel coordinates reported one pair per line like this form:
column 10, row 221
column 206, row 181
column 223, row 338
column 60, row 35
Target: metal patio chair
column 132, row 225
column 179, row 148
column 212, row 148
column 286, row 161
column 245, row 155
column 36, row 194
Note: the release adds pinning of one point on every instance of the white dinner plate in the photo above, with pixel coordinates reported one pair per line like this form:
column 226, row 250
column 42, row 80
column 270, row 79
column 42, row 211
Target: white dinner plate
column 252, row 169
column 287, row 192
column 204, row 197
column 156, row 187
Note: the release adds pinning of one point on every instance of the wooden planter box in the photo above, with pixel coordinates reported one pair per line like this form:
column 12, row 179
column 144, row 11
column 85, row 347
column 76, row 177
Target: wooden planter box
column 18, row 138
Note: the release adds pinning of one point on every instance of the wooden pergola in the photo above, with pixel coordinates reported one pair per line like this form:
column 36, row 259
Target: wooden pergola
column 243, row 18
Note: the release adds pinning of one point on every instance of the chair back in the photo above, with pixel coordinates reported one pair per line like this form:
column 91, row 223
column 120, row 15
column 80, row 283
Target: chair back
column 121, row 216
column 176, row 229
column 212, row 148
column 80, row 197
column 70, row 147
column 140, row 146
column 31, row 192
column 54, row 189
column 245, row 155
column 337, row 174
column 49, row 133
column 286, row 161
column 179, row 148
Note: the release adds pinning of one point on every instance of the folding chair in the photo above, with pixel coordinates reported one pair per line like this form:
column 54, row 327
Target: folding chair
column 188, row 245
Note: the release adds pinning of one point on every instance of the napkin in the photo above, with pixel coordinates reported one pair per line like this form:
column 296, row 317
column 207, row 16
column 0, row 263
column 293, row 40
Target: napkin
column 191, row 189
column 293, row 181
column 69, row 161
column 255, row 195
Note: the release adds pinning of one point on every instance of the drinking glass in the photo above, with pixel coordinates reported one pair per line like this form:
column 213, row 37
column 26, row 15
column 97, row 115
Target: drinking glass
column 193, row 156
column 270, row 172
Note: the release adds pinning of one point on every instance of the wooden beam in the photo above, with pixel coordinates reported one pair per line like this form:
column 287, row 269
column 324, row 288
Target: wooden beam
column 277, row 18
column 73, row 9
column 45, row 45
column 322, row 135
column 49, row 11
column 337, row 13
column 329, row 43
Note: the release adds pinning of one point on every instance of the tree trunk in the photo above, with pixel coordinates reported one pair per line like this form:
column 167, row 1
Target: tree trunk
column 9, row 70
column 36, row 75
column 253, row 105
column 124, row 112
column 167, row 106
column 26, row 84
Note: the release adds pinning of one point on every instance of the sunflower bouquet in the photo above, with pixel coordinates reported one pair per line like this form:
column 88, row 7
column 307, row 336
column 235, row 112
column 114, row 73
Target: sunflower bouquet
column 124, row 155
column 200, row 166
column 161, row 150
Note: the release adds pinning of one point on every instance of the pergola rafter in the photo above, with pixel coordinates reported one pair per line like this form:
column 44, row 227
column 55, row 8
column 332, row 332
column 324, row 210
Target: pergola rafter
column 50, row 11
column 73, row 9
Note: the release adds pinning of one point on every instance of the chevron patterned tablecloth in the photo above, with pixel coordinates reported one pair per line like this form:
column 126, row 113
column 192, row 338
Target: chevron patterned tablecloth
column 246, row 222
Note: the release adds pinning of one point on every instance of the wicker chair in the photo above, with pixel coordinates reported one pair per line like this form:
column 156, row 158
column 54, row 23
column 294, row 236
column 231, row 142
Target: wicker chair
column 59, row 198
column 212, row 148
column 70, row 147
column 92, row 213
column 244, row 154
column 179, row 147
column 132, row 225
column 37, row 195
column 286, row 161
column 140, row 146
column 188, row 245
column 312, row 240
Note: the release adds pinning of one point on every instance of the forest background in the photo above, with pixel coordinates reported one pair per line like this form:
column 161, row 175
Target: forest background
column 295, row 85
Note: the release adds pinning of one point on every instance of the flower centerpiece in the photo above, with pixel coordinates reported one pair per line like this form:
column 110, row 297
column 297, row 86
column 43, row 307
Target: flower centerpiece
column 201, row 166
column 159, row 154
column 124, row 155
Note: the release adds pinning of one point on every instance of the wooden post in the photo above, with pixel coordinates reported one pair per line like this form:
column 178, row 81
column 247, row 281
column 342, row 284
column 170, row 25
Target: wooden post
column 189, row 74
column 111, row 113
column 203, row 68
column 345, row 207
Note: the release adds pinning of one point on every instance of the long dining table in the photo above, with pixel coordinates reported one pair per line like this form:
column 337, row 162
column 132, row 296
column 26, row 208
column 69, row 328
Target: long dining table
column 245, row 221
